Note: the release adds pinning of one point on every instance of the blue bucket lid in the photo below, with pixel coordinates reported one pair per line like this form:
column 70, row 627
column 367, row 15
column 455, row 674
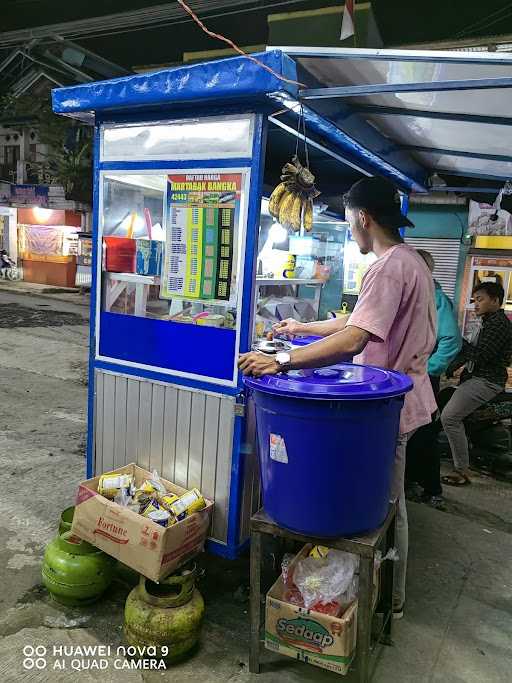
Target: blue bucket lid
column 344, row 382
column 303, row 341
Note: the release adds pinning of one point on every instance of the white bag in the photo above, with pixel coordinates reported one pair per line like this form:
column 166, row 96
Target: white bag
column 487, row 219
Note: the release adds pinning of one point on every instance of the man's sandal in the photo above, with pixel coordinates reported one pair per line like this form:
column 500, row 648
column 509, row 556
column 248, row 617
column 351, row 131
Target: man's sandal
column 456, row 479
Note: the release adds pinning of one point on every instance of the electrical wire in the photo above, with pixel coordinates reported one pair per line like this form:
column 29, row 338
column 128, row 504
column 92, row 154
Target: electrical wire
column 235, row 47
column 187, row 20
column 136, row 20
column 476, row 24
column 482, row 22
column 495, row 21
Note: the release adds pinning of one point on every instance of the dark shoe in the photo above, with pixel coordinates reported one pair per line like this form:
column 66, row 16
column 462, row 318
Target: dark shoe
column 413, row 492
column 436, row 502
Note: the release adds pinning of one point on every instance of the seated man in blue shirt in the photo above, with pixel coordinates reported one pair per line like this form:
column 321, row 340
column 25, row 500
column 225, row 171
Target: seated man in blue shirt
column 423, row 463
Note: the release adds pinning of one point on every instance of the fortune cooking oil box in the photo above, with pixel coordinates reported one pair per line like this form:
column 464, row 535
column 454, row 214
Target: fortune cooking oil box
column 152, row 550
column 313, row 637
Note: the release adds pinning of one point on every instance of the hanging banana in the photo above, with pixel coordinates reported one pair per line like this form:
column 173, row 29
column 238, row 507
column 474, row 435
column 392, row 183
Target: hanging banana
column 296, row 213
column 291, row 203
column 275, row 198
column 308, row 214
column 285, row 209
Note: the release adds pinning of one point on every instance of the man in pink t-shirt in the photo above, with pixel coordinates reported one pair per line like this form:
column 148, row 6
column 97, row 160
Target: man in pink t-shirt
column 393, row 326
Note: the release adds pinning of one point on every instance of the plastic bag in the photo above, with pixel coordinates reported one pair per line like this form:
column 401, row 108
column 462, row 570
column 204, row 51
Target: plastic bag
column 487, row 219
column 322, row 581
column 153, row 485
column 123, row 497
column 287, row 571
column 392, row 555
column 293, row 596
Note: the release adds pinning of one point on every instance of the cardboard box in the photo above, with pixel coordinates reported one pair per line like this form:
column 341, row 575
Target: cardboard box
column 138, row 542
column 318, row 639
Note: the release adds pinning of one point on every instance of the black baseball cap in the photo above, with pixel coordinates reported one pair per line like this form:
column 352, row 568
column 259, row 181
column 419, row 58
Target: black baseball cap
column 381, row 199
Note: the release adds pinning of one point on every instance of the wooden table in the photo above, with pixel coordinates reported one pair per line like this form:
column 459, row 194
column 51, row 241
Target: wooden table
column 116, row 283
column 366, row 548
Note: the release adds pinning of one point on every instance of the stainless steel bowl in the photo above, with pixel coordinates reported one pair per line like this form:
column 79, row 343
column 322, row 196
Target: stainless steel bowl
column 272, row 346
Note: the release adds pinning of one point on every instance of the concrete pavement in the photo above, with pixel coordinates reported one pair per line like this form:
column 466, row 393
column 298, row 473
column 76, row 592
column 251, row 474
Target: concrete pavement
column 71, row 295
column 458, row 622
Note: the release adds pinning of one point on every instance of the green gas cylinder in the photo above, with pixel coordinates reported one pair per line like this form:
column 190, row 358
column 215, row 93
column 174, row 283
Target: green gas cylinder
column 75, row 572
column 166, row 615
column 66, row 520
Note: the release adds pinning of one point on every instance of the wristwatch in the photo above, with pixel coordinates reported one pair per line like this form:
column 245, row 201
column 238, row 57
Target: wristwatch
column 283, row 359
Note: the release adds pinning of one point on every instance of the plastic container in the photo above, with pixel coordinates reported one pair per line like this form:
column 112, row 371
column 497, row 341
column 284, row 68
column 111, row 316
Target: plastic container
column 326, row 443
column 304, row 341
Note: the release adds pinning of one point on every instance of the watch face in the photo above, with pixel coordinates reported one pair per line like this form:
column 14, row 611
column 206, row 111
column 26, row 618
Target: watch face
column 283, row 358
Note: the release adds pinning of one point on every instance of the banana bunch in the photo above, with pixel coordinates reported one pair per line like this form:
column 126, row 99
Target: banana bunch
column 291, row 203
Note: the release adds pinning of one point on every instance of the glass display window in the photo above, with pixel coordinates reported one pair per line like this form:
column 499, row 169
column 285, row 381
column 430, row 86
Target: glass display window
column 299, row 275
column 171, row 257
column 356, row 265
column 211, row 137
column 171, row 245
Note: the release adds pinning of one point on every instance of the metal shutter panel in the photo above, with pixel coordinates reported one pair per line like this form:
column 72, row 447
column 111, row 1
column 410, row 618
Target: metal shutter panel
column 446, row 253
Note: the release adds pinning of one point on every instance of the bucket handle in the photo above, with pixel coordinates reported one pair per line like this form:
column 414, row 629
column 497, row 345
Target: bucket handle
column 185, row 582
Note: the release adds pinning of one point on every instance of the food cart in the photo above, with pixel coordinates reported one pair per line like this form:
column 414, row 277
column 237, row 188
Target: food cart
column 183, row 158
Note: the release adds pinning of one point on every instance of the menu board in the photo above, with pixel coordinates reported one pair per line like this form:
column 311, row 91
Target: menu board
column 202, row 211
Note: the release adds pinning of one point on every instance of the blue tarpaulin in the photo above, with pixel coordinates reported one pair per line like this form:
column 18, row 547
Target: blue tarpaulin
column 238, row 81
column 237, row 78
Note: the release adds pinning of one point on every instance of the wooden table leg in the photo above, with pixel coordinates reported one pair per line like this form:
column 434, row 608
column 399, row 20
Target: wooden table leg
column 364, row 618
column 388, row 569
column 254, row 654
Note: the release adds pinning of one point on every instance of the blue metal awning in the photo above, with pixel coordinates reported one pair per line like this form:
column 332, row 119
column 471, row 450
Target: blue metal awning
column 401, row 114
column 220, row 81
column 447, row 110
column 240, row 81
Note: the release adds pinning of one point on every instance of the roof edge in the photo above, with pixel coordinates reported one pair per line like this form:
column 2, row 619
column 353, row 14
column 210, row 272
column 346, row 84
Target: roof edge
column 234, row 78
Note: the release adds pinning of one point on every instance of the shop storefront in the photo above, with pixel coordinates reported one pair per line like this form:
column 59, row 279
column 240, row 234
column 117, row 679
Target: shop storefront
column 47, row 245
column 188, row 266
column 40, row 230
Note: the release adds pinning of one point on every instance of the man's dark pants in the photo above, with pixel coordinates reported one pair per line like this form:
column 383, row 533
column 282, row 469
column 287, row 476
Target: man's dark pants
column 423, row 462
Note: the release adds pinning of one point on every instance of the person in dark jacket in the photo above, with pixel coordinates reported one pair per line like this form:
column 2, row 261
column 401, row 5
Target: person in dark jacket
column 485, row 360
column 423, row 462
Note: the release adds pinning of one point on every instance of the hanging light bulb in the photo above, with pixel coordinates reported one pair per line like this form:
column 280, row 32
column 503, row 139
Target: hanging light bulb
column 277, row 233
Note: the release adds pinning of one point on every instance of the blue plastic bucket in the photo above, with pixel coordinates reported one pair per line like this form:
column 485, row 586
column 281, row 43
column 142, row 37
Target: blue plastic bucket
column 304, row 341
column 326, row 443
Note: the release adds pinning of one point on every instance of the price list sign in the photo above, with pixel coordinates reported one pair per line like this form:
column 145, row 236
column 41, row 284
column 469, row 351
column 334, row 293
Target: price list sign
column 199, row 248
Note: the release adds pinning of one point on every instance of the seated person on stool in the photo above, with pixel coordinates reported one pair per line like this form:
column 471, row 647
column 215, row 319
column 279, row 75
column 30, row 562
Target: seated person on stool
column 423, row 463
column 485, row 359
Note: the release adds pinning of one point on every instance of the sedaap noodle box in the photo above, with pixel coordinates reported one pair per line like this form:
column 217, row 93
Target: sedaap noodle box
column 318, row 639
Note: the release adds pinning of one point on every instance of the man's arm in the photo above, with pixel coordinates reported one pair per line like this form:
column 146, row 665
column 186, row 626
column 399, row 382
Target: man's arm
column 321, row 328
column 372, row 318
column 336, row 347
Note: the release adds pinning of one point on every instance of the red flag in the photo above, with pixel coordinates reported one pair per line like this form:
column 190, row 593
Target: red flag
column 347, row 27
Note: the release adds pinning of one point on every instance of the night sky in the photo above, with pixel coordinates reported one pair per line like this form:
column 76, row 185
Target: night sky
column 400, row 21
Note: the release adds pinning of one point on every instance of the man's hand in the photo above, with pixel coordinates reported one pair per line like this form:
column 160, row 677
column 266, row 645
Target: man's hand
column 287, row 328
column 258, row 364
